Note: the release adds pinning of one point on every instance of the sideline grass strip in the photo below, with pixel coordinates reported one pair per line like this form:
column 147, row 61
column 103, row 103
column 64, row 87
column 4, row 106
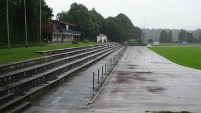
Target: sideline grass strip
column 189, row 56
column 16, row 54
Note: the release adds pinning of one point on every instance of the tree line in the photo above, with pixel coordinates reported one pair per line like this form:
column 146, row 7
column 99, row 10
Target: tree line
column 91, row 23
column 165, row 37
column 173, row 35
column 16, row 14
column 183, row 36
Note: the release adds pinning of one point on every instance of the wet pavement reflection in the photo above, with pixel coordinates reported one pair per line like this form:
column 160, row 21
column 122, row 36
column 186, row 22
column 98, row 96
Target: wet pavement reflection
column 145, row 81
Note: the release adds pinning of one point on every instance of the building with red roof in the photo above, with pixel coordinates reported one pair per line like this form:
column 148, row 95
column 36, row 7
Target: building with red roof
column 61, row 32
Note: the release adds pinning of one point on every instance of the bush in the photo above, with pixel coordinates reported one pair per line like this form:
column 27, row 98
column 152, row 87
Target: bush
column 85, row 41
column 74, row 42
column 136, row 43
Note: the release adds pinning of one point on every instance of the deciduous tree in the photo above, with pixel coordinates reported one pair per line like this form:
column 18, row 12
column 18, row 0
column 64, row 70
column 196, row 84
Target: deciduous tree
column 190, row 37
column 114, row 29
column 182, row 36
column 98, row 20
column 128, row 27
column 17, row 19
column 119, row 28
column 169, row 40
column 163, row 36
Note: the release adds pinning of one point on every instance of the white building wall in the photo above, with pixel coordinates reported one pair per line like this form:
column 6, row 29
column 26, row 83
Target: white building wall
column 156, row 43
column 101, row 38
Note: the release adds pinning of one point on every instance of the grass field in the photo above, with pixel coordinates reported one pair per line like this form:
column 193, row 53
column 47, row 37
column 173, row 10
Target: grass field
column 189, row 56
column 16, row 54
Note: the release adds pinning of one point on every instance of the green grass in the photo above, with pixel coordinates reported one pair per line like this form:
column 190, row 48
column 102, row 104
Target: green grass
column 189, row 56
column 16, row 54
column 170, row 112
column 177, row 44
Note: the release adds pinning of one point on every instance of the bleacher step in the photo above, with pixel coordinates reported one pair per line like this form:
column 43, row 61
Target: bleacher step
column 20, row 107
column 6, row 98
column 11, row 103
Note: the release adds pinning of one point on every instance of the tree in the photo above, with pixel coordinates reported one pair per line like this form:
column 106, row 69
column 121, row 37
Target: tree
column 200, row 38
column 79, row 15
column 114, row 28
column 150, row 40
column 3, row 31
column 169, row 40
column 182, row 36
column 62, row 16
column 98, row 20
column 190, row 37
column 128, row 27
column 16, row 19
column 137, row 33
column 163, row 36
column 119, row 28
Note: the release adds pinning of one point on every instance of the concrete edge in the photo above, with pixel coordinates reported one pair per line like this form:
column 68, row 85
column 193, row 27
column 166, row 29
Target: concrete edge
column 88, row 105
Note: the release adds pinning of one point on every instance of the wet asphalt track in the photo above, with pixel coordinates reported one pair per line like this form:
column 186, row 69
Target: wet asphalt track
column 144, row 81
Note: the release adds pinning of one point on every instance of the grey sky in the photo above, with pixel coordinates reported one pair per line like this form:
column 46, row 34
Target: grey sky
column 173, row 14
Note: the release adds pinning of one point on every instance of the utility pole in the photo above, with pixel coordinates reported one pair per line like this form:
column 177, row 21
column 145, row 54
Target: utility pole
column 8, row 27
column 144, row 30
column 40, row 25
column 25, row 20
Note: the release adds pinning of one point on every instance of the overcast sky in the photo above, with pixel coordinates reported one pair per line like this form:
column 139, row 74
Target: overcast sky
column 173, row 14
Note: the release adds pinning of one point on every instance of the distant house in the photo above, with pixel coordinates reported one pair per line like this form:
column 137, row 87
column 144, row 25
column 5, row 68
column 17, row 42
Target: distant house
column 60, row 32
column 184, row 42
column 102, row 38
column 156, row 43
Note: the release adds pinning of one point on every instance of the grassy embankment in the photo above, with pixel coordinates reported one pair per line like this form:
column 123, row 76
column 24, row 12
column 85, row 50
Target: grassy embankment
column 16, row 54
column 189, row 56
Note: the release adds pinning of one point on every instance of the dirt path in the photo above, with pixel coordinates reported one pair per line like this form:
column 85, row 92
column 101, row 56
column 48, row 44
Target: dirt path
column 144, row 81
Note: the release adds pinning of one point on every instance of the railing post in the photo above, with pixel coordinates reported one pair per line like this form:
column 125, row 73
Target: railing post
column 93, row 79
column 105, row 69
column 111, row 62
column 102, row 72
column 98, row 75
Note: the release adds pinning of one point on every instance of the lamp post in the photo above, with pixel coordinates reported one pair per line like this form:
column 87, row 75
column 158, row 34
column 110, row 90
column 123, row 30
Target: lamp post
column 25, row 20
column 8, row 27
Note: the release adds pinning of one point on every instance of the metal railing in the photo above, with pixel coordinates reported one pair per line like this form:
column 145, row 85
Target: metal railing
column 71, row 31
column 103, row 72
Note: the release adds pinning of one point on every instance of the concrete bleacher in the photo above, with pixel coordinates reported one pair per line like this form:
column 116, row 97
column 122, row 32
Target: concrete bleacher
column 19, row 86
column 52, row 56
column 28, row 71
